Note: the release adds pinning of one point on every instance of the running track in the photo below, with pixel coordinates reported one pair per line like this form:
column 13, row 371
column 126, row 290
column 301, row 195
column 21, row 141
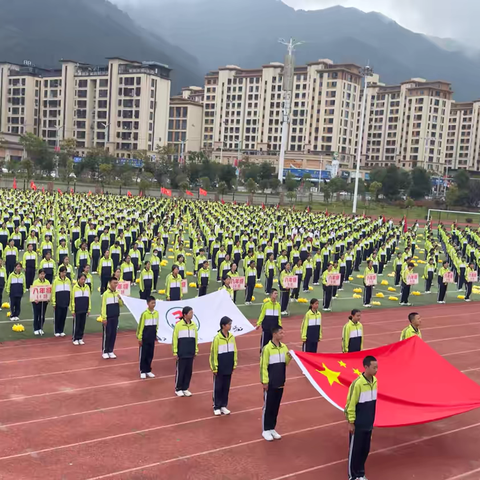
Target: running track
column 67, row 414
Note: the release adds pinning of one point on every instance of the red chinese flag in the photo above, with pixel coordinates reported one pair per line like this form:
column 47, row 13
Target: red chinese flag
column 168, row 192
column 326, row 212
column 188, row 192
column 234, row 202
column 140, row 194
column 59, row 191
column 405, row 226
column 411, row 382
column 223, row 201
column 15, row 183
column 129, row 193
column 89, row 192
column 162, row 191
column 71, row 191
column 384, row 219
column 202, row 192
column 43, row 189
column 263, row 206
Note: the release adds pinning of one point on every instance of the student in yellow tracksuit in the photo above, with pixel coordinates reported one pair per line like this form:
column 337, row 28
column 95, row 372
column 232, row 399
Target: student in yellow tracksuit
column 360, row 414
column 352, row 336
column 223, row 361
column 173, row 285
column 414, row 328
column 312, row 328
column 81, row 305
column 270, row 317
column 146, row 335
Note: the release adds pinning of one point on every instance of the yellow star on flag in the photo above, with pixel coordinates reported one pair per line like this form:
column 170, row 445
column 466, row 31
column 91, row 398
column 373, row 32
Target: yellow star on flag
column 357, row 371
column 332, row 376
column 342, row 364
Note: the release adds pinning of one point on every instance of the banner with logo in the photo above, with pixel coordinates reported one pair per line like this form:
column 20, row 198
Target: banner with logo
column 207, row 312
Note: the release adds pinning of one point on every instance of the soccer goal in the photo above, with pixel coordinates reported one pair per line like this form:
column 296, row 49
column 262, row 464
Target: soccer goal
column 452, row 216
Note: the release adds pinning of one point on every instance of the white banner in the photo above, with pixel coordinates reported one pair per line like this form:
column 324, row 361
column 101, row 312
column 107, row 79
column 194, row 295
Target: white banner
column 207, row 312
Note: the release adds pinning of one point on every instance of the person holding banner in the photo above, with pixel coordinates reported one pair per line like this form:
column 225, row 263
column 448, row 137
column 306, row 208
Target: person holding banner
column 428, row 274
column 414, row 328
column 226, row 286
column 312, row 328
column 233, row 273
column 39, row 308
column 444, row 278
column 352, row 335
column 470, row 275
column 250, row 281
column 327, row 288
column 15, row 290
column 406, row 283
column 173, row 285
column 368, row 288
column 270, row 317
column 285, row 289
column 110, row 313
column 202, row 278
column 146, row 335
column 223, row 361
column 146, row 281
column 80, row 307
column 185, row 348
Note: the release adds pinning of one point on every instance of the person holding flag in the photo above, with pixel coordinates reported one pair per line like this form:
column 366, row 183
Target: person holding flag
column 312, row 328
column 360, row 414
column 352, row 336
column 414, row 328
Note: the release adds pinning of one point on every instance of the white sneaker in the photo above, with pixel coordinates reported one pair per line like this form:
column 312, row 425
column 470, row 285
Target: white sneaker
column 62, row 334
column 81, row 342
column 285, row 313
column 105, row 356
column 36, row 332
column 187, row 393
column 112, row 355
column 217, row 413
column 267, row 435
column 42, row 332
column 143, row 376
column 150, row 375
column 467, row 300
column 275, row 435
column 75, row 342
column 225, row 411
column 57, row 334
column 179, row 393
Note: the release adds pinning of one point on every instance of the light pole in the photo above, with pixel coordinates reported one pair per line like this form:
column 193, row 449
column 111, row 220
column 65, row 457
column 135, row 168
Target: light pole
column 366, row 72
column 106, row 126
column 288, row 72
column 57, row 149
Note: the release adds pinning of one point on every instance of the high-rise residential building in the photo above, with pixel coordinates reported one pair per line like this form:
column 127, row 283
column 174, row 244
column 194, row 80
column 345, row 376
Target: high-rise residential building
column 122, row 106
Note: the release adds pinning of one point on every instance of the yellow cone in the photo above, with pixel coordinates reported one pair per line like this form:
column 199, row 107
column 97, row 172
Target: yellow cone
column 5, row 305
column 417, row 294
column 356, row 296
column 9, row 314
column 391, row 289
column 393, row 299
column 376, row 303
column 379, row 295
column 360, row 276
column 384, row 282
column 192, row 285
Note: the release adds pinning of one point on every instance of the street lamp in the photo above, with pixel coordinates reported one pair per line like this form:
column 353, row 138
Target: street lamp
column 365, row 72
column 106, row 126
column 57, row 149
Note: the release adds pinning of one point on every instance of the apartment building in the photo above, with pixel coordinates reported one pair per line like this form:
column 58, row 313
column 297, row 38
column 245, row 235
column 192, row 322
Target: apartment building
column 122, row 106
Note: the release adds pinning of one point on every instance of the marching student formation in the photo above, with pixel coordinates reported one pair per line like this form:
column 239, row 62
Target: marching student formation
column 62, row 241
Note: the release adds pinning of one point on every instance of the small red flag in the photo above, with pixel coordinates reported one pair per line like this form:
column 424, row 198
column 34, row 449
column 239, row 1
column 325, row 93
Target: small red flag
column 405, row 226
column 167, row 192
column 308, row 209
column 71, row 191
column 278, row 206
column 188, row 192
column 129, row 193
column 43, row 189
column 15, row 183
column 263, row 206
column 140, row 194
column 223, row 201
column 89, row 192
column 326, row 212
column 202, row 192
column 384, row 219
column 59, row 191
column 234, row 202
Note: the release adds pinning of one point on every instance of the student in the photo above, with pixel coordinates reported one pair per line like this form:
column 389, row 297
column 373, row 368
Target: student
column 80, row 307
column 223, row 361
column 146, row 334
column 307, row 272
column 202, row 279
column 360, row 414
column 61, row 297
column 352, row 336
column 15, row 290
column 405, row 287
column 226, row 286
column 185, row 348
column 29, row 262
column 414, row 327
column 285, row 292
column 146, row 281
column 3, row 278
column 327, row 289
column 428, row 274
column 10, row 256
column 311, row 328
column 110, row 313
column 127, row 270
column 367, row 289
column 270, row 317
column 39, row 308
column 95, row 254
column 270, row 272
column 233, row 273
column 250, row 281
column 105, row 269
column 298, row 271
column 274, row 359
column 49, row 266
column 469, row 285
column 173, row 284
column 155, row 264
column 442, row 286
column 397, row 267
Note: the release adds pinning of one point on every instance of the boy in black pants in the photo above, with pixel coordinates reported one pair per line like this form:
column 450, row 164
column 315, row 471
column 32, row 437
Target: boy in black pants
column 146, row 334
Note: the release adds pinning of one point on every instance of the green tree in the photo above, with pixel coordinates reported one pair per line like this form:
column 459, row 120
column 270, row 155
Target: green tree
column 274, row 184
column 68, row 149
column 374, row 189
column 421, row 183
column 222, row 188
column 27, row 167
column 251, row 186
column 226, row 174
column 337, row 185
column 291, row 183
column 291, row 195
column 205, row 183
column 327, row 192
column 391, row 182
column 104, row 173
column 452, row 196
column 462, row 181
column 37, row 150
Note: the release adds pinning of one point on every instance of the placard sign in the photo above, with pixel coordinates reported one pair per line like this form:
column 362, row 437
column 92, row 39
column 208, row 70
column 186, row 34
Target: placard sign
column 123, row 288
column 412, row 279
column 290, row 282
column 448, row 277
column 472, row 277
column 333, row 279
column 41, row 294
column 371, row 279
column 237, row 283
column 184, row 286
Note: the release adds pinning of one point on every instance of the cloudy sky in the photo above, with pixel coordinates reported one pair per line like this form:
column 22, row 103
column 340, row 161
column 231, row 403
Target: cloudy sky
column 444, row 18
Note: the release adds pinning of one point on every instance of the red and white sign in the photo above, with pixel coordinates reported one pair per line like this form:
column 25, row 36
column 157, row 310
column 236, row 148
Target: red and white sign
column 448, row 277
column 41, row 294
column 472, row 277
column 290, row 282
column 123, row 288
column 333, row 279
column 184, row 286
column 412, row 279
column 371, row 279
column 237, row 283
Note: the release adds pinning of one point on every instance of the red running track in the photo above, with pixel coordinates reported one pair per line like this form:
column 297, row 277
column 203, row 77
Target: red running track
column 65, row 413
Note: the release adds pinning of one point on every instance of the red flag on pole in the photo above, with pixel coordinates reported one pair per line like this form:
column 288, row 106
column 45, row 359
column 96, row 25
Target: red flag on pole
column 15, row 183
column 422, row 369
column 234, row 202
column 89, row 192
column 71, row 191
column 189, row 193
column 43, row 189
column 202, row 192
column 326, row 212
column 308, row 209
column 140, row 194
column 129, row 193
column 59, row 191
column 167, row 192
column 263, row 206
column 405, row 226
column 384, row 219
column 32, row 185
column 223, row 201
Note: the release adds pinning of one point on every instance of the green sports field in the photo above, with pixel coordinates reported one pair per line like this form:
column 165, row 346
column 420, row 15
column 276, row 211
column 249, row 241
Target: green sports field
column 343, row 302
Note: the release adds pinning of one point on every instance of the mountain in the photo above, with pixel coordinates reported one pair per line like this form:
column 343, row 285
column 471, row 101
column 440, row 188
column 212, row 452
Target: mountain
column 45, row 31
column 246, row 32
